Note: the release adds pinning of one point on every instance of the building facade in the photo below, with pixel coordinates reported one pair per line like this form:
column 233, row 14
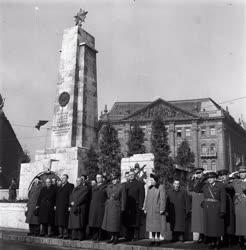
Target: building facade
column 216, row 139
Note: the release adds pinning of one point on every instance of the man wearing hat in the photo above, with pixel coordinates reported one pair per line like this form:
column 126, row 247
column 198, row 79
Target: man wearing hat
column 135, row 194
column 114, row 206
column 223, row 176
column 197, row 198
column 239, row 186
column 214, row 208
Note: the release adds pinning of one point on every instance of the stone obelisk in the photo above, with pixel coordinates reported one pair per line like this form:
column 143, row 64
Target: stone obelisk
column 75, row 118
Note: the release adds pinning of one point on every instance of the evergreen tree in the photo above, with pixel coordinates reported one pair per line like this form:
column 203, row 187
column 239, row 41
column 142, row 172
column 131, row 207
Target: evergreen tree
column 109, row 150
column 26, row 156
column 136, row 140
column 185, row 157
column 91, row 163
column 163, row 163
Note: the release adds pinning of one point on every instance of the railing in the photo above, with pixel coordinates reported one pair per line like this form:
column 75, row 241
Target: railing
column 209, row 154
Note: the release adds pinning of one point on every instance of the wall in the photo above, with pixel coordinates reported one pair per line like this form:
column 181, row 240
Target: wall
column 13, row 215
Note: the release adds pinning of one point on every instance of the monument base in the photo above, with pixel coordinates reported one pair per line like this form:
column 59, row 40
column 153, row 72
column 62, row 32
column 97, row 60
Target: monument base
column 60, row 161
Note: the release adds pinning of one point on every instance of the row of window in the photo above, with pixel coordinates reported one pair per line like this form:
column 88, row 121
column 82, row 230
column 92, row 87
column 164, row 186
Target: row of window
column 212, row 131
column 208, row 148
column 209, row 167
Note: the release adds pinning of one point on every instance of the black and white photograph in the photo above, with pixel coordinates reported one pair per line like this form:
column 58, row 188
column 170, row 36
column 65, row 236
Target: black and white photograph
column 122, row 124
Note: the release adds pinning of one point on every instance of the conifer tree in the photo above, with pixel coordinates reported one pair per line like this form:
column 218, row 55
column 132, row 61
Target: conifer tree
column 185, row 157
column 163, row 163
column 136, row 140
column 91, row 163
column 109, row 150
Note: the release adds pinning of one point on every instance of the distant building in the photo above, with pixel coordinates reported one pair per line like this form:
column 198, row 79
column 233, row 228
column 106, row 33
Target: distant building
column 216, row 139
column 11, row 153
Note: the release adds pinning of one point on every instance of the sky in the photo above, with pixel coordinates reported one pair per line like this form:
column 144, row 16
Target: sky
column 170, row 49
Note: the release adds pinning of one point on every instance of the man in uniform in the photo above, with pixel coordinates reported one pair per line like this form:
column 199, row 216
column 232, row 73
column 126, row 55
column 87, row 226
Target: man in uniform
column 214, row 207
column 223, row 176
column 196, row 210
column 135, row 193
column 61, row 207
column 239, row 186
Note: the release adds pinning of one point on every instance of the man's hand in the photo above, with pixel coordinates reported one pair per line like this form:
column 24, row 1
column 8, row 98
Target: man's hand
column 55, row 208
column 161, row 212
column 72, row 203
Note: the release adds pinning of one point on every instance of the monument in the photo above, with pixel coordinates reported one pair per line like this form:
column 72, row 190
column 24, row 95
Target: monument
column 75, row 117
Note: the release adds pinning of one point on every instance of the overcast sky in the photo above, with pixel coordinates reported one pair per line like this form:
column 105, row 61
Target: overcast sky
column 175, row 49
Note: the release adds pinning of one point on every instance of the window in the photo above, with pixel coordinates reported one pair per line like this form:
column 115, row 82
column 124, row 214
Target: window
column 212, row 148
column 179, row 132
column 204, row 148
column 205, row 165
column 187, row 132
column 212, row 131
column 213, row 165
column 203, row 131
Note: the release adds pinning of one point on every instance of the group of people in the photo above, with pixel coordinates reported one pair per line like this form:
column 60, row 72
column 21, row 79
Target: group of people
column 68, row 211
column 213, row 202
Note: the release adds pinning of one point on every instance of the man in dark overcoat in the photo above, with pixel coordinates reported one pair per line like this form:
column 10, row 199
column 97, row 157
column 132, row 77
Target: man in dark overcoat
column 79, row 203
column 177, row 209
column 45, row 208
column 229, row 236
column 97, row 207
column 196, row 210
column 214, row 207
column 31, row 216
column 61, row 206
column 135, row 193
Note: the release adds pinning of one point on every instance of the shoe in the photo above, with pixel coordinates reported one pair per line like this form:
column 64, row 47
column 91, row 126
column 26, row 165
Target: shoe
column 152, row 243
column 115, row 241
column 60, row 236
column 111, row 240
column 157, row 243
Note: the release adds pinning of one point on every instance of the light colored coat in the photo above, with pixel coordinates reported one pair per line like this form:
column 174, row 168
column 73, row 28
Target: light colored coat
column 154, row 204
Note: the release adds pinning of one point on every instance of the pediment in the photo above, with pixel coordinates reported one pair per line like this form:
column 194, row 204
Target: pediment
column 163, row 109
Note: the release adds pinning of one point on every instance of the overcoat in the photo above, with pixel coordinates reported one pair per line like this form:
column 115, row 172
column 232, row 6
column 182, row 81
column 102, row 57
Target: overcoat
column 135, row 194
column 197, row 214
column 46, row 202
column 12, row 191
column 97, row 205
column 114, row 205
column 214, row 207
column 230, row 220
column 78, row 216
column 155, row 203
column 33, row 195
column 62, row 204
column 240, row 205
column 177, row 209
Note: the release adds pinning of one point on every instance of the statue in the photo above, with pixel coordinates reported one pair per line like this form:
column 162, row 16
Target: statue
column 80, row 17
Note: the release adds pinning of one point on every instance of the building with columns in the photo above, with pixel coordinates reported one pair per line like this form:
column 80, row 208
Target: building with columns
column 216, row 139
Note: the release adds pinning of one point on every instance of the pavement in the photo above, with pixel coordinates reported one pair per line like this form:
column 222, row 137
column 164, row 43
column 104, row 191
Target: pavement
column 8, row 234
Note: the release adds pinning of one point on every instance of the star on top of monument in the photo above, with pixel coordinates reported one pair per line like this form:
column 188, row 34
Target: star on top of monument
column 80, row 17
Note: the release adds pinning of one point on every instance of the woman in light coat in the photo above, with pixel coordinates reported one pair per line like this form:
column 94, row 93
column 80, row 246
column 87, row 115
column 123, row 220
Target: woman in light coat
column 154, row 209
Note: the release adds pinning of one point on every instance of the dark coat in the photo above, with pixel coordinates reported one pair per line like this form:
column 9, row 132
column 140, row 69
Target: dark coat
column 78, row 216
column 240, row 205
column 33, row 195
column 62, row 204
column 154, row 204
column 12, row 191
column 196, row 209
column 97, row 206
column 135, row 194
column 46, row 202
column 114, row 205
column 177, row 209
column 214, row 207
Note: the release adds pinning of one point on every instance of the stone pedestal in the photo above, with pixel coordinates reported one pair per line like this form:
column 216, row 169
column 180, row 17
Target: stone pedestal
column 141, row 159
column 61, row 161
